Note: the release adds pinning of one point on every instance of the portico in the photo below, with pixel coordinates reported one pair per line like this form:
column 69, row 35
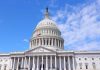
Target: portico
column 43, row 62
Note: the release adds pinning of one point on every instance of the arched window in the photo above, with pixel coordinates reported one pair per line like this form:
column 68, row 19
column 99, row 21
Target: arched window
column 47, row 41
column 50, row 41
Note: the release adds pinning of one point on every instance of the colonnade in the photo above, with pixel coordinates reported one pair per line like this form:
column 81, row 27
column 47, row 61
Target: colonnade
column 47, row 31
column 43, row 63
column 47, row 42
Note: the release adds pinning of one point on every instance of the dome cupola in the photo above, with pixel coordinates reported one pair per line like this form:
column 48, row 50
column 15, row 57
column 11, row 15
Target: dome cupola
column 46, row 34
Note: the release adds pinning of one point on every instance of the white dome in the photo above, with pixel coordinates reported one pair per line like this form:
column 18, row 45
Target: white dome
column 46, row 27
column 46, row 23
column 46, row 34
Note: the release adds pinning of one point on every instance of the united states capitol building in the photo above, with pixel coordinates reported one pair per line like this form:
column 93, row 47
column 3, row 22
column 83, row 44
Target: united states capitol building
column 47, row 52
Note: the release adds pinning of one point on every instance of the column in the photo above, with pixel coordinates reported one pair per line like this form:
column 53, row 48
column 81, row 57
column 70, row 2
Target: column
column 33, row 63
column 25, row 60
column 55, row 43
column 49, row 41
column 30, row 44
column 46, row 62
column 69, row 67
column 11, row 61
column 73, row 63
column 42, row 41
column 51, row 62
column 58, row 43
column 37, row 62
column 60, row 62
column 61, row 44
column 33, row 43
column 36, row 42
column 29, row 63
column 13, row 64
column 39, row 42
column 22, row 63
column 17, row 64
column 64, row 63
column 42, row 63
column 55, row 63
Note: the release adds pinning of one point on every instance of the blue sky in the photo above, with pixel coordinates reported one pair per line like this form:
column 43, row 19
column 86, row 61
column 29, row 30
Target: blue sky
column 79, row 21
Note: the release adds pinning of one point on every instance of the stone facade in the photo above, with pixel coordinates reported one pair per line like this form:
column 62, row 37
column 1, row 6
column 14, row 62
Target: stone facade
column 47, row 52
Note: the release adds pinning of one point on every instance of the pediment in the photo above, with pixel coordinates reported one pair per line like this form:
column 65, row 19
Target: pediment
column 40, row 50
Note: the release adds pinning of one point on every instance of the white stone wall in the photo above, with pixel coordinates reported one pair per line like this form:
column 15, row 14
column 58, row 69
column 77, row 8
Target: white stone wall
column 91, row 61
column 81, row 60
column 5, row 62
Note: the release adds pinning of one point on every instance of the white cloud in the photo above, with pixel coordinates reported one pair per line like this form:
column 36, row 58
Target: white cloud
column 25, row 40
column 79, row 25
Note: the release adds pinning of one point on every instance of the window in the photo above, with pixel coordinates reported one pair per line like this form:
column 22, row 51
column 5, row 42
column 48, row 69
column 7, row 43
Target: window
column 47, row 41
column 80, row 65
column 5, row 66
column 86, row 65
column 52, row 32
column 0, row 60
column 79, row 58
column 92, row 58
column 85, row 58
column 40, row 41
column 44, row 41
column 93, row 64
column 50, row 41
